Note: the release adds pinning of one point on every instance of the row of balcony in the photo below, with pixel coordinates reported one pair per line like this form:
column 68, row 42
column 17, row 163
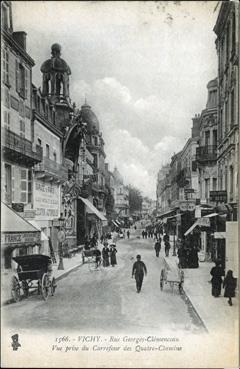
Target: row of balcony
column 51, row 169
column 206, row 153
column 17, row 148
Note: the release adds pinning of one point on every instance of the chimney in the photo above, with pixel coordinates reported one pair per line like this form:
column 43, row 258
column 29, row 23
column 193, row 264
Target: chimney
column 196, row 126
column 20, row 38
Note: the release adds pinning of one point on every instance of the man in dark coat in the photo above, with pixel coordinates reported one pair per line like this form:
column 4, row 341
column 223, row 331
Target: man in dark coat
column 138, row 270
column 105, row 255
column 216, row 273
column 157, row 247
column 167, row 248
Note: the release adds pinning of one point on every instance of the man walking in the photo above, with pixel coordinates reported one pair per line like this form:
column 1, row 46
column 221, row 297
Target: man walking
column 157, row 247
column 138, row 270
column 128, row 234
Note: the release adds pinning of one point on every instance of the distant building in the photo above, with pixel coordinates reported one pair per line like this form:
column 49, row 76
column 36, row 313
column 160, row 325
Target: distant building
column 121, row 196
column 206, row 154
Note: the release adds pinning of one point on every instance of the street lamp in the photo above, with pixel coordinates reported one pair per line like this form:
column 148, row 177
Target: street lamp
column 61, row 238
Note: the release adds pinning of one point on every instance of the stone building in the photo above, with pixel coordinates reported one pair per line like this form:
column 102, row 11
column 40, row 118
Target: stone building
column 227, row 30
column 227, row 44
column 206, row 154
column 19, row 153
column 121, row 197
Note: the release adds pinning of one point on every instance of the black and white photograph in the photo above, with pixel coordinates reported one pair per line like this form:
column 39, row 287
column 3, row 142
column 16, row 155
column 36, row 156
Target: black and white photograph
column 120, row 184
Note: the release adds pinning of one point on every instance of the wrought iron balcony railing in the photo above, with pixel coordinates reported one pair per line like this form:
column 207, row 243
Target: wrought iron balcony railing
column 206, row 153
column 51, row 168
column 19, row 148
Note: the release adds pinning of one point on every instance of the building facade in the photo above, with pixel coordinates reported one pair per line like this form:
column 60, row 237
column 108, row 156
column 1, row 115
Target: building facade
column 206, row 154
column 19, row 153
column 227, row 44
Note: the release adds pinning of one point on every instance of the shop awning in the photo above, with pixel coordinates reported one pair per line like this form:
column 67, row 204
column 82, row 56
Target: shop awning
column 93, row 210
column 118, row 223
column 15, row 230
column 43, row 236
column 115, row 223
column 210, row 215
column 11, row 221
column 191, row 228
column 201, row 222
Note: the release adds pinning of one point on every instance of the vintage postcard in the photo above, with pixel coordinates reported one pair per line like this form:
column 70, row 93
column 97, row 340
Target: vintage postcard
column 119, row 184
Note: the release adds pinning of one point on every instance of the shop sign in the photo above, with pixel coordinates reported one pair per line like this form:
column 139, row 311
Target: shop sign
column 218, row 196
column 15, row 238
column 187, row 205
column 46, row 200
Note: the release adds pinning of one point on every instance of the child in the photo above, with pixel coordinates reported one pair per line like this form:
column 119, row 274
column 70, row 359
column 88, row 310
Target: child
column 229, row 284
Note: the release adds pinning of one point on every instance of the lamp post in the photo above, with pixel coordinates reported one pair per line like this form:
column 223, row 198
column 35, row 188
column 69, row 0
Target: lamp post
column 61, row 238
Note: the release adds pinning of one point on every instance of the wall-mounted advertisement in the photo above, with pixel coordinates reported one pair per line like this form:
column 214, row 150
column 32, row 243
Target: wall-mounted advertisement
column 46, row 200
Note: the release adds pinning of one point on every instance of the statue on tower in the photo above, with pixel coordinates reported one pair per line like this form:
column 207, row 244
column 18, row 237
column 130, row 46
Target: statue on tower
column 56, row 73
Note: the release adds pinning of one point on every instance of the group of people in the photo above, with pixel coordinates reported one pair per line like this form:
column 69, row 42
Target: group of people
column 229, row 283
column 188, row 257
column 109, row 254
column 158, row 245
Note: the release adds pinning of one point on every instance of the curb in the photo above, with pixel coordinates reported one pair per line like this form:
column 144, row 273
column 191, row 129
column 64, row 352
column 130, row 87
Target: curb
column 63, row 275
column 189, row 303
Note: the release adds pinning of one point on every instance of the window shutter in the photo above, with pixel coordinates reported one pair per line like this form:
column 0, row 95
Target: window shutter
column 17, row 76
column 26, row 82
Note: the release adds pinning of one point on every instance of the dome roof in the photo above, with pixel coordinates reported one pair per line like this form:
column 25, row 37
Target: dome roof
column 89, row 117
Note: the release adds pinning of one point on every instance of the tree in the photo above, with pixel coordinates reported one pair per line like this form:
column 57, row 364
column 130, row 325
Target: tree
column 135, row 199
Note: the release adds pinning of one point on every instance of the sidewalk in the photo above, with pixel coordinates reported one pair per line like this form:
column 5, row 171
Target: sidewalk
column 215, row 312
column 70, row 264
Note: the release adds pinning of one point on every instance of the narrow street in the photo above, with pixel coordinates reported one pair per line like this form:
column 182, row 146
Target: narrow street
column 106, row 301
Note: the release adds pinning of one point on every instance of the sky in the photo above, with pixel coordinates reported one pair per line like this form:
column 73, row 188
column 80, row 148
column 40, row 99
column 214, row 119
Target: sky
column 142, row 66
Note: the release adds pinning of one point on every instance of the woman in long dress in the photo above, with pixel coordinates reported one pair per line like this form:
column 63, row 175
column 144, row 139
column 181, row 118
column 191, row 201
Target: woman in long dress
column 113, row 252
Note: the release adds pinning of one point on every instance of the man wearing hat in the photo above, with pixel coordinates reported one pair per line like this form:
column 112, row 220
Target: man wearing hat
column 138, row 270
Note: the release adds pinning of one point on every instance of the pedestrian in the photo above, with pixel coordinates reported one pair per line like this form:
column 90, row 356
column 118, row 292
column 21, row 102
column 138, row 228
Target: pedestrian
column 143, row 234
column 113, row 252
column 167, row 248
column 105, row 254
column 138, row 270
column 97, row 254
column 166, row 237
column 128, row 234
column 216, row 273
column 157, row 248
column 230, row 284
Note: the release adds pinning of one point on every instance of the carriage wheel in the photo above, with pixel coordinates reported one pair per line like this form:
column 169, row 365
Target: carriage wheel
column 25, row 288
column 53, row 286
column 45, row 286
column 15, row 291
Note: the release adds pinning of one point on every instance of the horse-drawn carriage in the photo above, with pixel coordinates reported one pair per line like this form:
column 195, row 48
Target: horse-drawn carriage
column 33, row 272
column 92, row 257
